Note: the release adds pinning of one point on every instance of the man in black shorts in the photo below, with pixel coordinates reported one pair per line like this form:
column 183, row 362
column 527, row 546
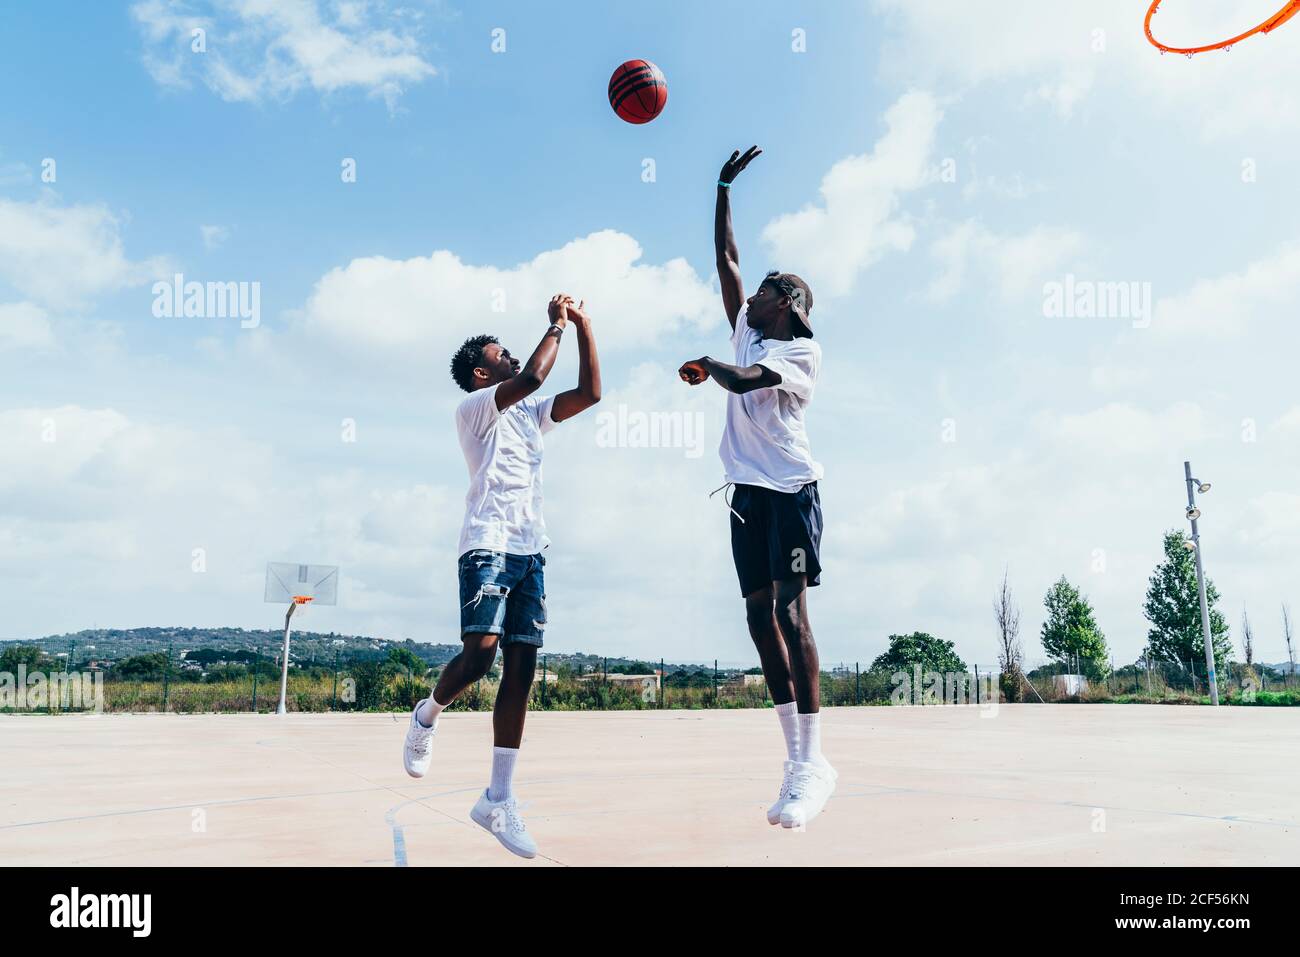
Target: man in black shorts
column 776, row 521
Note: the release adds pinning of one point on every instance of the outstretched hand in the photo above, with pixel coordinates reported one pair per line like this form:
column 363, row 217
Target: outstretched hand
column 733, row 167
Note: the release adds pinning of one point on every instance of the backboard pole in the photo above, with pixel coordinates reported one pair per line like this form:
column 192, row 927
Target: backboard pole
column 284, row 660
column 1200, row 586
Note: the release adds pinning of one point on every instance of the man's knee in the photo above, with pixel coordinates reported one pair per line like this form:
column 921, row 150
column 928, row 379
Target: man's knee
column 519, row 664
column 480, row 653
column 758, row 612
column 790, row 612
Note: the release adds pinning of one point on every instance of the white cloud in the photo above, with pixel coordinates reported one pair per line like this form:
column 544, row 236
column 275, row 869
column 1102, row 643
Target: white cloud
column 60, row 256
column 1289, row 422
column 858, row 220
column 1015, row 264
column 1235, row 304
column 418, row 310
column 96, row 502
column 975, row 43
column 214, row 237
column 1081, row 50
column 274, row 49
column 1124, row 429
column 24, row 326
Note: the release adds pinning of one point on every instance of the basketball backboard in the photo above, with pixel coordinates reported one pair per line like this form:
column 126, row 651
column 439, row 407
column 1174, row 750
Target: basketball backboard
column 289, row 582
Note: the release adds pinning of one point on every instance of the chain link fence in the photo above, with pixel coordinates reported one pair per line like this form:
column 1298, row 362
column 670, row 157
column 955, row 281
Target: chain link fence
column 379, row 686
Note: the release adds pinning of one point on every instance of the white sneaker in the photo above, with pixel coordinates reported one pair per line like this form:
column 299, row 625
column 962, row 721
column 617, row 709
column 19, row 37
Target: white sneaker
column 418, row 750
column 787, row 779
column 813, row 784
column 502, row 820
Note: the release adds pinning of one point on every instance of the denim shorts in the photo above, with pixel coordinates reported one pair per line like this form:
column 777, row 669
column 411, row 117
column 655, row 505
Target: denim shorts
column 504, row 595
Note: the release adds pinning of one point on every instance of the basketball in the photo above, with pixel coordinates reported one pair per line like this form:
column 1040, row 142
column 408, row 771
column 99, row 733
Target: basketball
column 638, row 91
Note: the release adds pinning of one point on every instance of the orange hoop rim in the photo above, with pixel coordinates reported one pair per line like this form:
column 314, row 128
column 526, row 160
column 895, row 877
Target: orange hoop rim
column 303, row 599
column 1269, row 25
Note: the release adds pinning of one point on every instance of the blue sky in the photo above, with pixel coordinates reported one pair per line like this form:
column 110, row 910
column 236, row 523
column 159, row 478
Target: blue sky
column 928, row 167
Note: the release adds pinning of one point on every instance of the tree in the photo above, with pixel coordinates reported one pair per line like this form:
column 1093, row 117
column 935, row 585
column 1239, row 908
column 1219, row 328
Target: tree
column 27, row 655
column 918, row 648
column 150, row 667
column 1010, row 654
column 403, row 659
column 1070, row 632
column 369, row 678
column 1173, row 607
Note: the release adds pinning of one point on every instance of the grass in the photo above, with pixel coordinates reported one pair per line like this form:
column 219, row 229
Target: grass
column 388, row 693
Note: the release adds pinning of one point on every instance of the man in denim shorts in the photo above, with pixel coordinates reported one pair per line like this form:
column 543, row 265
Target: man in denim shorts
column 502, row 590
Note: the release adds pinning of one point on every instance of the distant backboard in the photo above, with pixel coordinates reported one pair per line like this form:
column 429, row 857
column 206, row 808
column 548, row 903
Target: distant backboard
column 286, row 582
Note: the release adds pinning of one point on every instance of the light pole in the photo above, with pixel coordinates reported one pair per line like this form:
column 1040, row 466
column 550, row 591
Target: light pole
column 1193, row 513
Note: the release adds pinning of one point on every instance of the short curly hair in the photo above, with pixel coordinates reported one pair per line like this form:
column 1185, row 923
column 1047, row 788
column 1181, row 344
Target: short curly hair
column 468, row 358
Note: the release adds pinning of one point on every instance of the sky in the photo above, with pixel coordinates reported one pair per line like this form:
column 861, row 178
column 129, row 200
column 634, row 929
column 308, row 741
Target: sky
column 956, row 181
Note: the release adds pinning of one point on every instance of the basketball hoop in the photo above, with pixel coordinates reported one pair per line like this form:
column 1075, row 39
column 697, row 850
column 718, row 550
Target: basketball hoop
column 300, row 586
column 1268, row 26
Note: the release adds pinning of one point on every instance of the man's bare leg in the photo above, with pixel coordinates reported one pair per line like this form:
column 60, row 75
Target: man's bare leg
column 512, row 697
column 772, row 655
column 792, row 619
column 478, row 652
column 815, row 781
column 771, row 649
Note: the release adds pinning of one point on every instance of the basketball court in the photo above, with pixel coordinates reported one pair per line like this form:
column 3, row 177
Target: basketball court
column 1078, row 785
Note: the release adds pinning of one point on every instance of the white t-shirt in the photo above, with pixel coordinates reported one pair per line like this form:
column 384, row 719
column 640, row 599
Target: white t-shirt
column 503, row 450
column 765, row 442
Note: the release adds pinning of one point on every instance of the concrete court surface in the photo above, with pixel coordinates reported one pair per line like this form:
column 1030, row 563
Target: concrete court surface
column 1034, row 784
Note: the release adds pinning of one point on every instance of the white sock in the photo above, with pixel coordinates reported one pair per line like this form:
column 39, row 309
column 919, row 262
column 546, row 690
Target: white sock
column 428, row 713
column 503, row 771
column 810, row 738
column 788, row 713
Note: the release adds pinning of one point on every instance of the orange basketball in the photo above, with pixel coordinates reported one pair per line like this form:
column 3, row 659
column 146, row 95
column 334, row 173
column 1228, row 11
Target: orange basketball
column 638, row 91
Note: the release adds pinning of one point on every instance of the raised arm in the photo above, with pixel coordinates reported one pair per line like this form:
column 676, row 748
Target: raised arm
column 568, row 404
column 724, row 240
column 538, row 366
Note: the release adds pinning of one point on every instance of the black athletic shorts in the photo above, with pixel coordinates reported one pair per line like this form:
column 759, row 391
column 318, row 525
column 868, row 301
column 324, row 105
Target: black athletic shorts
column 780, row 536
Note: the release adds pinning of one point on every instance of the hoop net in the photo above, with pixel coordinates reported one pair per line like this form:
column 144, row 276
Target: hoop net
column 1268, row 26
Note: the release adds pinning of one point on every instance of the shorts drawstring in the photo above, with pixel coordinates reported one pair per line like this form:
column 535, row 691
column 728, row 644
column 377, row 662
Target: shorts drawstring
column 727, row 500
